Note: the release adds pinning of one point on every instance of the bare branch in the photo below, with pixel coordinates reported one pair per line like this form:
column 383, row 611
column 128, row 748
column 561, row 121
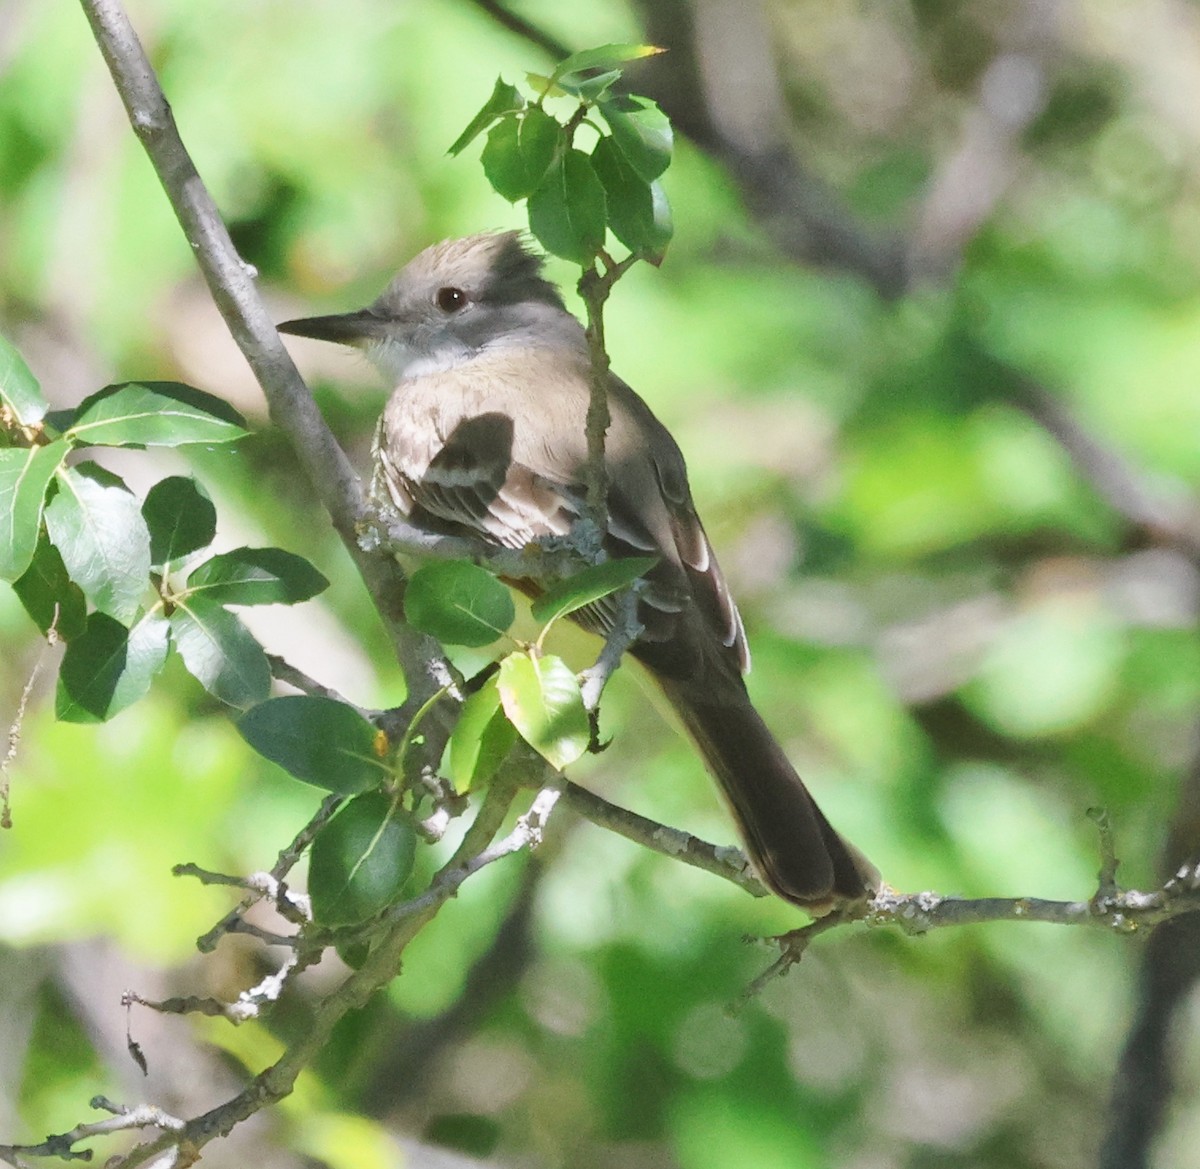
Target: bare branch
column 63, row 1145
column 728, row 862
column 523, row 28
column 625, row 631
column 1127, row 489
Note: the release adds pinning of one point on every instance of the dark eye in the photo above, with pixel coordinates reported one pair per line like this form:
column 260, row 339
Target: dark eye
column 450, row 300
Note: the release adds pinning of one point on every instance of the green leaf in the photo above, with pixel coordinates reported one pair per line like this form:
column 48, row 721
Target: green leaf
column 519, row 151
column 505, row 99
column 318, row 740
column 20, row 393
column 501, row 159
column 359, row 861
column 97, row 526
column 481, row 738
column 588, row 585
column 220, row 652
column 567, row 212
column 109, row 667
column 543, row 85
column 603, row 57
column 181, row 519
column 541, row 698
column 25, row 473
column 256, row 576
column 589, row 89
column 642, row 131
column 459, row 603
column 539, row 138
column 638, row 212
column 154, row 414
column 49, row 595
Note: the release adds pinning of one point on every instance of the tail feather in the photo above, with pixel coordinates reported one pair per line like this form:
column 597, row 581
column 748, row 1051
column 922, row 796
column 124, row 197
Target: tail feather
column 793, row 846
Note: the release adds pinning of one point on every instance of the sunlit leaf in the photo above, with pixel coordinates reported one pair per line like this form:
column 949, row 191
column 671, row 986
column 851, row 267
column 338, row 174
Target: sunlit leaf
column 220, row 652
column 109, row 667
column 604, row 57
column 97, row 527
column 256, row 576
column 20, row 393
column 154, row 414
column 318, row 740
column 25, row 473
column 360, row 861
column 541, row 698
column 481, row 739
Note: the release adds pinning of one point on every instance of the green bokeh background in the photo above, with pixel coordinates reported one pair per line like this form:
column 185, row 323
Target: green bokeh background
column 962, row 645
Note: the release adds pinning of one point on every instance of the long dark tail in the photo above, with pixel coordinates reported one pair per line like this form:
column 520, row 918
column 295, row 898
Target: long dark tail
column 794, row 848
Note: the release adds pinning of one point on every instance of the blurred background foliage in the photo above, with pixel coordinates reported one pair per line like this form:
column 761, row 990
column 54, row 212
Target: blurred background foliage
column 929, row 335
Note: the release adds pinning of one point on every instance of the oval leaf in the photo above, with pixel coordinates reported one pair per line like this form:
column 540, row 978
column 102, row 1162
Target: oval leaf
column 109, row 667
column 459, row 603
column 604, row 57
column 638, row 212
column 220, row 652
column 541, row 697
column 256, row 576
column 181, row 518
column 20, row 393
column 360, row 861
column 97, row 527
column 567, row 212
column 49, row 595
column 501, row 159
column 25, row 473
column 481, row 738
column 154, row 414
column 318, row 740
column 642, row 131
column 588, row 585
column 538, row 138
column 519, row 151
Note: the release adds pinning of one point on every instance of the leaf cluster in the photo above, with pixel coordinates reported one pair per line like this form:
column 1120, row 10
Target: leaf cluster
column 115, row 579
column 576, row 196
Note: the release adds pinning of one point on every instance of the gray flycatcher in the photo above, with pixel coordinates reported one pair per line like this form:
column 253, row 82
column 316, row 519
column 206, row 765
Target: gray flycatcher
column 484, row 436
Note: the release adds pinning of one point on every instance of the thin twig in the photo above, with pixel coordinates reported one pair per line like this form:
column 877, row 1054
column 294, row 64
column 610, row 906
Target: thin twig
column 727, row 862
column 284, row 671
column 63, row 1145
column 595, row 285
column 14, row 730
column 625, row 631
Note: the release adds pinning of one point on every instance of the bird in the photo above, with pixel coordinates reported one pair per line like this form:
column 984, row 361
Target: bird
column 484, row 435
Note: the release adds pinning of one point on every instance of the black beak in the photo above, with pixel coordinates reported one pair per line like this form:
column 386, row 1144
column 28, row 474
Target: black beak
column 357, row 328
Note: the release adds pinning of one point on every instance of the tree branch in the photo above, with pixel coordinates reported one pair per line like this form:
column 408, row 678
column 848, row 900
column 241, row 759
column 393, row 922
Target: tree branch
column 231, row 282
